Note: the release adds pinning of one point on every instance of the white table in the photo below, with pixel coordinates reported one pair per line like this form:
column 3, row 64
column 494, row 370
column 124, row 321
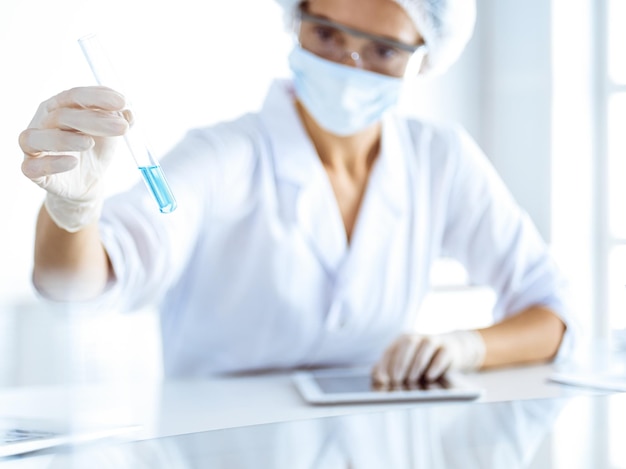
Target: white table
column 178, row 407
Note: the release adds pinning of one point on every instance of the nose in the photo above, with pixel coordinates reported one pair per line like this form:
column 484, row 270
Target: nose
column 352, row 58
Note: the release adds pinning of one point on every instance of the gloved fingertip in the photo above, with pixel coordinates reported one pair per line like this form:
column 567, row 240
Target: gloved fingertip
column 433, row 374
column 380, row 378
column 115, row 99
column 398, row 376
column 64, row 163
column 415, row 375
column 28, row 170
column 125, row 127
column 87, row 143
column 421, row 363
column 129, row 116
column 437, row 367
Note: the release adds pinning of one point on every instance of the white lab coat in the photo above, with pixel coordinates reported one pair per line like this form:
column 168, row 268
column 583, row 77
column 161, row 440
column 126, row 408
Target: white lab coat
column 253, row 270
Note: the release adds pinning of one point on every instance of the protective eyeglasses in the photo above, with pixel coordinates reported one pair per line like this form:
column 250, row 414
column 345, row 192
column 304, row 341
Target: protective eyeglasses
column 379, row 54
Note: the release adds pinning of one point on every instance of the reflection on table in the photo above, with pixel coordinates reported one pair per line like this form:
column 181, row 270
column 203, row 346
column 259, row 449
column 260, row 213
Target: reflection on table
column 498, row 435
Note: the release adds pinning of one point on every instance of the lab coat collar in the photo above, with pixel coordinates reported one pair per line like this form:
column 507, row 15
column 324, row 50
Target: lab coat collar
column 381, row 222
column 305, row 193
column 295, row 156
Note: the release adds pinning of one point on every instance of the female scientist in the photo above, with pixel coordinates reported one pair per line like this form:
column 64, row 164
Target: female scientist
column 305, row 232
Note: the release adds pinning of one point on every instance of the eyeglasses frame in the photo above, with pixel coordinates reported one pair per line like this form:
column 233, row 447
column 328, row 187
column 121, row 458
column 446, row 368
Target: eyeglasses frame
column 306, row 16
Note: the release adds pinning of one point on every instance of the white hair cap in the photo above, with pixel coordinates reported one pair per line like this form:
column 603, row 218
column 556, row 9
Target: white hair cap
column 445, row 25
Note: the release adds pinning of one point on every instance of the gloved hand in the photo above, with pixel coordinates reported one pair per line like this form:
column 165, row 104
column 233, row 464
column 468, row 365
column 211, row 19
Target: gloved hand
column 414, row 358
column 67, row 148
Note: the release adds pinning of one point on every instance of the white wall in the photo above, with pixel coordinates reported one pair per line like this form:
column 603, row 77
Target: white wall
column 517, row 126
column 500, row 90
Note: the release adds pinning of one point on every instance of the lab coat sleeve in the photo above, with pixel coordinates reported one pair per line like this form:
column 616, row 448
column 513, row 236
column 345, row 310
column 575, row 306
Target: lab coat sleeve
column 151, row 251
column 497, row 242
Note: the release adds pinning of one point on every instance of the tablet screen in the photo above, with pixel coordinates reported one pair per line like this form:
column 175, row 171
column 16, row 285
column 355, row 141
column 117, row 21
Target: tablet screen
column 363, row 383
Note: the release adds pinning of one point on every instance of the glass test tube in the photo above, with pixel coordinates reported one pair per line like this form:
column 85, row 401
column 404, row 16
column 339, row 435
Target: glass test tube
column 151, row 171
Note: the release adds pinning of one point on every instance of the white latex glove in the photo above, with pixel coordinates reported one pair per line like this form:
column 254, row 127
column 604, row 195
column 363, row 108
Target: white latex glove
column 67, row 148
column 414, row 358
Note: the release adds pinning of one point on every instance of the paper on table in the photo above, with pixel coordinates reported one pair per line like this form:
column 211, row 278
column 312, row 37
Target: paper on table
column 607, row 381
column 599, row 364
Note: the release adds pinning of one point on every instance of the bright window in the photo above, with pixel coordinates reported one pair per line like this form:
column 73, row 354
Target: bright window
column 615, row 96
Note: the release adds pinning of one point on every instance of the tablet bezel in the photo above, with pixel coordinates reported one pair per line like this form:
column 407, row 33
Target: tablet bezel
column 309, row 389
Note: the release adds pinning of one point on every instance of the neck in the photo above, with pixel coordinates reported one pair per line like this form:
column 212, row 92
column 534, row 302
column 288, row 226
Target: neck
column 352, row 154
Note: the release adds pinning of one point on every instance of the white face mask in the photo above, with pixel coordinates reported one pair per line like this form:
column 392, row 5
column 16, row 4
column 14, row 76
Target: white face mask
column 342, row 99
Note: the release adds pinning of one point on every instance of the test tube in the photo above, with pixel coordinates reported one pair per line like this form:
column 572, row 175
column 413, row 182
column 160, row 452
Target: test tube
column 153, row 176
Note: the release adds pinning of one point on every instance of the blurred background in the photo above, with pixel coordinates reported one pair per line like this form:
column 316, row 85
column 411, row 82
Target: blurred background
column 541, row 87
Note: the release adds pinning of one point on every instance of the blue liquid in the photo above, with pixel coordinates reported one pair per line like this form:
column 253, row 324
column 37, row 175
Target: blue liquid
column 155, row 180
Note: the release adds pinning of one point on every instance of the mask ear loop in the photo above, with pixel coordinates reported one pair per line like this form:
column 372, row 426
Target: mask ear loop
column 414, row 66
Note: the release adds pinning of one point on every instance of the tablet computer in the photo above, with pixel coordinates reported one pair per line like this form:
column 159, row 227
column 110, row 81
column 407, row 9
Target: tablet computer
column 351, row 386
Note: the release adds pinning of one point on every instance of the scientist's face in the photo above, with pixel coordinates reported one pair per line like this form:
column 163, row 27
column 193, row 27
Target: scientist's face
column 373, row 42
column 377, row 35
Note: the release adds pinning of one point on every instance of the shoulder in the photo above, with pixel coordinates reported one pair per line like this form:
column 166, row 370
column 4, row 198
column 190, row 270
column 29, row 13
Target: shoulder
column 228, row 148
column 275, row 116
column 438, row 135
column 243, row 133
column 445, row 145
column 456, row 162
